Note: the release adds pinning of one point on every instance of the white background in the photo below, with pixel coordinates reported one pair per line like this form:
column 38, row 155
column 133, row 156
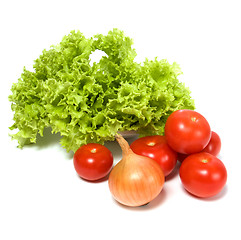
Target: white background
column 41, row 197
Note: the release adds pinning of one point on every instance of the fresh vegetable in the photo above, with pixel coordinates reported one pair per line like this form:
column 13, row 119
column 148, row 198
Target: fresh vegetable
column 135, row 180
column 187, row 131
column 203, row 174
column 93, row 161
column 88, row 103
column 156, row 147
column 214, row 145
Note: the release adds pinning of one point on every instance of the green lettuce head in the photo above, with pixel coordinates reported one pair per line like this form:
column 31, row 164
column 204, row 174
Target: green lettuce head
column 87, row 102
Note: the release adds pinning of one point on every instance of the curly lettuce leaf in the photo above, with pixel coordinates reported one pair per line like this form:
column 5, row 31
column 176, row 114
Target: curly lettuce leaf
column 91, row 103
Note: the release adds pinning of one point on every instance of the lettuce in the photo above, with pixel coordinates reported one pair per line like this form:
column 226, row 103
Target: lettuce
column 87, row 102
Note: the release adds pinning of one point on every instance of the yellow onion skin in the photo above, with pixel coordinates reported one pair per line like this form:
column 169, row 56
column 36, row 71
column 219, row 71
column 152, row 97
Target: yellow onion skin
column 135, row 180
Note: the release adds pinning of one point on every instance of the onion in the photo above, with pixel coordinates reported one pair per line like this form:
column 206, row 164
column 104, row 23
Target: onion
column 135, row 180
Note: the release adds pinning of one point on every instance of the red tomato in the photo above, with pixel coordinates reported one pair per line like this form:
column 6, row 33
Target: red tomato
column 93, row 161
column 187, row 131
column 203, row 175
column 214, row 145
column 156, row 147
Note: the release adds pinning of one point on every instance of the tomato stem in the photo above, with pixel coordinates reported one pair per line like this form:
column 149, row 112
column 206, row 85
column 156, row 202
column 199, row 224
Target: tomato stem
column 93, row 150
column 194, row 119
column 151, row 144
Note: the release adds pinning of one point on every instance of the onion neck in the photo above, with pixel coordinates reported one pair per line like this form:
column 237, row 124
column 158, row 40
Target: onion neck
column 126, row 150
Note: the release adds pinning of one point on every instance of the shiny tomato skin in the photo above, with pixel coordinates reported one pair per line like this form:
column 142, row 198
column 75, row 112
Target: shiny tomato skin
column 187, row 131
column 93, row 161
column 203, row 175
column 156, row 147
column 214, row 145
